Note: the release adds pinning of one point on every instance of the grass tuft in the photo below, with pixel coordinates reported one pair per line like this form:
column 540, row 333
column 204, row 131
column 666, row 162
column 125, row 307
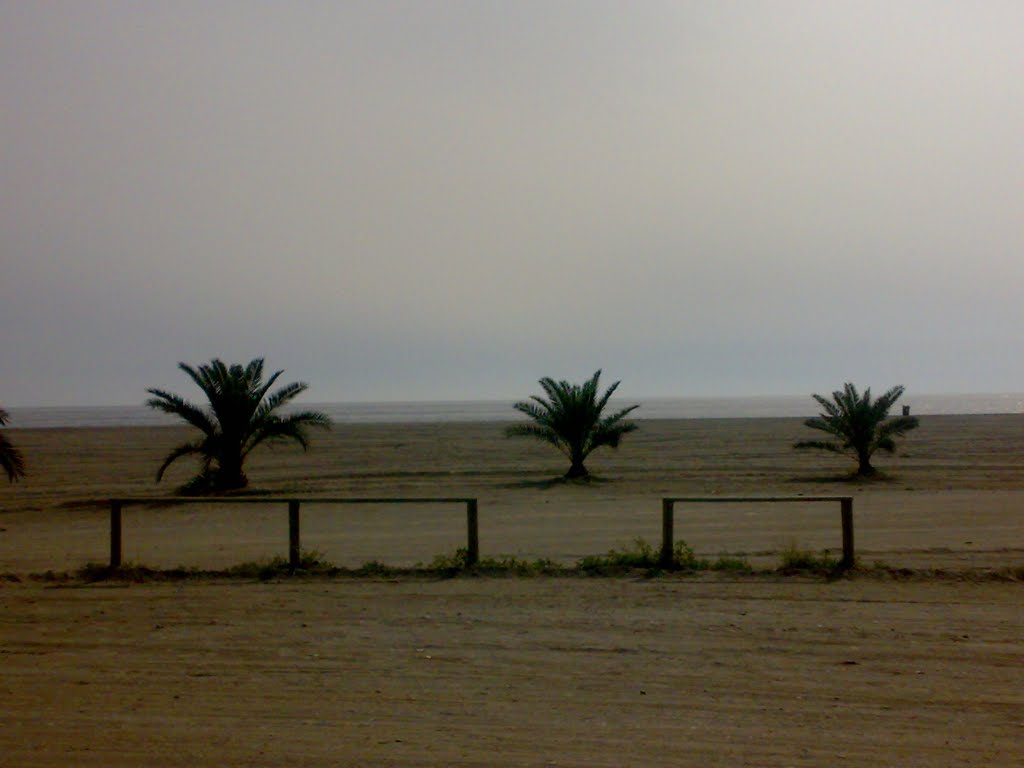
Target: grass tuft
column 311, row 561
column 449, row 565
column 128, row 571
column 509, row 564
column 797, row 560
column 642, row 556
column 732, row 564
column 375, row 568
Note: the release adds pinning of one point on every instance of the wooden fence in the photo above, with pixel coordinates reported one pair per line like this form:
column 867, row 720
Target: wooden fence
column 668, row 518
column 472, row 523
column 294, row 545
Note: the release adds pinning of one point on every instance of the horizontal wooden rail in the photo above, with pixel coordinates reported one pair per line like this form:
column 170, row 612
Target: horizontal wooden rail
column 668, row 518
column 294, row 547
column 740, row 499
column 179, row 500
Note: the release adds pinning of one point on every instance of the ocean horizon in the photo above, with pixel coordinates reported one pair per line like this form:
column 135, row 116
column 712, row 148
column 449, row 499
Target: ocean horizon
column 774, row 406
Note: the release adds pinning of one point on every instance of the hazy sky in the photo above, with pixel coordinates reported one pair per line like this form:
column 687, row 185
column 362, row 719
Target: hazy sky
column 449, row 200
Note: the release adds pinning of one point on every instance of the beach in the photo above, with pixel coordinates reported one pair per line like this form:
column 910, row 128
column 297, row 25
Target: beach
column 952, row 497
column 713, row 669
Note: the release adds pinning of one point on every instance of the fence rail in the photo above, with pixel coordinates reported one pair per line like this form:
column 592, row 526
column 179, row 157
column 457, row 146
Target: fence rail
column 294, row 544
column 668, row 517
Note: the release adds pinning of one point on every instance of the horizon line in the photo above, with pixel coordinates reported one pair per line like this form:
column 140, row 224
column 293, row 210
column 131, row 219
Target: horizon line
column 496, row 400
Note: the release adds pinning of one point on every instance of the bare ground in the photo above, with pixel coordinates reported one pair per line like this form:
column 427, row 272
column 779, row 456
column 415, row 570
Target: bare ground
column 709, row 670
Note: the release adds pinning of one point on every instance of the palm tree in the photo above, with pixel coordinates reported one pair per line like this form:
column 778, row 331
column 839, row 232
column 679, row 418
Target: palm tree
column 241, row 415
column 570, row 419
column 859, row 424
column 11, row 460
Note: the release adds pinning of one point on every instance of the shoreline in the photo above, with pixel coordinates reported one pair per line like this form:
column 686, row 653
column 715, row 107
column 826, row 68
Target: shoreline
column 500, row 423
column 499, row 410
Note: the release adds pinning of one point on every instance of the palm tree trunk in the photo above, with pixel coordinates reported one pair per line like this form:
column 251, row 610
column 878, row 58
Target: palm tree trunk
column 864, row 467
column 577, row 470
column 229, row 475
column 232, row 482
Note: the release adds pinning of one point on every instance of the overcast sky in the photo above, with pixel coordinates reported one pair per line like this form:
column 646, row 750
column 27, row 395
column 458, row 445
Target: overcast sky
column 448, row 200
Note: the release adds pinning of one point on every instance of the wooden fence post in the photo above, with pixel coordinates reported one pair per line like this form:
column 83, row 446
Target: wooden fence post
column 115, row 533
column 667, row 533
column 294, row 547
column 472, row 534
column 846, row 510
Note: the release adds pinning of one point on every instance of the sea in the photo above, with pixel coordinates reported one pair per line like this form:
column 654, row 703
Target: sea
column 501, row 410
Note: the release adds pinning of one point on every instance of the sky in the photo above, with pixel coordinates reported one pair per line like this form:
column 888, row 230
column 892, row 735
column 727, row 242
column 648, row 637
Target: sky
column 449, row 200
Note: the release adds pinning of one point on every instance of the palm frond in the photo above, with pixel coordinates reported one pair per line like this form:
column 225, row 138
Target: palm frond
column 599, row 406
column 261, row 392
column 609, row 434
column 887, row 399
column 12, row 462
column 886, row 444
column 898, row 426
column 539, row 432
column 185, row 449
column 291, row 427
column 539, row 411
column 282, row 396
column 620, row 414
column 822, row 424
column 176, row 406
column 830, row 406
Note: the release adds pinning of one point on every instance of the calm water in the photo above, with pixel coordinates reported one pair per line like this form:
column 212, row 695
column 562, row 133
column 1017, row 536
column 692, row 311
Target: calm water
column 655, row 408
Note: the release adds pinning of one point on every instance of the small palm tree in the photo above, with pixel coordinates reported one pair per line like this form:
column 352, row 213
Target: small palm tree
column 11, row 460
column 860, row 425
column 241, row 415
column 571, row 420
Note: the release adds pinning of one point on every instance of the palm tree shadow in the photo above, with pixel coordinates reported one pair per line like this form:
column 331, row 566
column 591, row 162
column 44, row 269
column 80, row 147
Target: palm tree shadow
column 847, row 478
column 236, row 493
column 556, row 482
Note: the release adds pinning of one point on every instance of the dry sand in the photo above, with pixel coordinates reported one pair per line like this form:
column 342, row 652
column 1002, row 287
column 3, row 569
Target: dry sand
column 713, row 670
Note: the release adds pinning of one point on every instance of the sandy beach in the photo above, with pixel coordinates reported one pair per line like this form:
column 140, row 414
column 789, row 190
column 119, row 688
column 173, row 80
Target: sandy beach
column 953, row 498
column 674, row 670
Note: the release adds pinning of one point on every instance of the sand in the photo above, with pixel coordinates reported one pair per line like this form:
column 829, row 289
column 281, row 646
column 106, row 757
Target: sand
column 708, row 670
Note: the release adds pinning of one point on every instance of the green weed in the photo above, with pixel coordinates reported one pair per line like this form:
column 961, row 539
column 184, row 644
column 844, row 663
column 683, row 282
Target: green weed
column 509, row 564
column 449, row 565
column 375, row 568
column 643, row 556
column 795, row 559
column 310, row 561
column 732, row 564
